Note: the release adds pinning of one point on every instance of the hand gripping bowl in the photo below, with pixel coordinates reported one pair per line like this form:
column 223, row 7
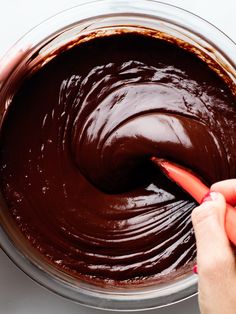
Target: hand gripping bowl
column 41, row 43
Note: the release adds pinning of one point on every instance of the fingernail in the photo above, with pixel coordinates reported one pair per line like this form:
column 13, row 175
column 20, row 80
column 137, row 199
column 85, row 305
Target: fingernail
column 210, row 196
column 195, row 269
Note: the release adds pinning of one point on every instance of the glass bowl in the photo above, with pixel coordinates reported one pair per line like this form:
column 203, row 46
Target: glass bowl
column 39, row 46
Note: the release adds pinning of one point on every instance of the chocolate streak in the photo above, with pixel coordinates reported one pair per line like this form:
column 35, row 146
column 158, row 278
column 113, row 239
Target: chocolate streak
column 76, row 147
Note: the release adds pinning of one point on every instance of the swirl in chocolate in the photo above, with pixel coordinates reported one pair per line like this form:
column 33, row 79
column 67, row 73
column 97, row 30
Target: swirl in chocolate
column 75, row 156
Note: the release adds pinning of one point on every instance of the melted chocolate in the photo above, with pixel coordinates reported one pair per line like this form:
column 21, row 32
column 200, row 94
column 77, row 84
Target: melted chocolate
column 76, row 147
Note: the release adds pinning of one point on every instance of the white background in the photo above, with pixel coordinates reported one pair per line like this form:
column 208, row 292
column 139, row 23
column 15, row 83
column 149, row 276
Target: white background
column 18, row 293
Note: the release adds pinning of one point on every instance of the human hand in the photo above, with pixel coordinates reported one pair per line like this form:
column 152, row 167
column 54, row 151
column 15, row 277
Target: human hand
column 215, row 256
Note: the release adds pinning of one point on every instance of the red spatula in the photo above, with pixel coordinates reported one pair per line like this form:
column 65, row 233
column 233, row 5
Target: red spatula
column 197, row 189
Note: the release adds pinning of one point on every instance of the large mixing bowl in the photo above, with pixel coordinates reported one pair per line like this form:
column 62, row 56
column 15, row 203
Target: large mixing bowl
column 42, row 43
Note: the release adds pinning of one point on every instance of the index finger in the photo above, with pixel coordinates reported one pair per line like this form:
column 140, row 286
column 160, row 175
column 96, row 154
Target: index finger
column 227, row 188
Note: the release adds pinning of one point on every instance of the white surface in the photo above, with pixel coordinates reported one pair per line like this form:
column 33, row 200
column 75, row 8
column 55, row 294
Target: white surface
column 18, row 293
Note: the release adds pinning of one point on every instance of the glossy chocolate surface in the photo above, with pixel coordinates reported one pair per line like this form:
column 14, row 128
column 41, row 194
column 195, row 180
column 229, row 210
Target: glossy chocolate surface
column 75, row 154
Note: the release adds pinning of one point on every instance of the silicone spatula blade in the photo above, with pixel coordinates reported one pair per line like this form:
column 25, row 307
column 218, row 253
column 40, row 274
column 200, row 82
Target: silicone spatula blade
column 185, row 179
column 197, row 189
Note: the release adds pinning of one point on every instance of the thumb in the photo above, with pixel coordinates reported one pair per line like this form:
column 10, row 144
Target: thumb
column 214, row 252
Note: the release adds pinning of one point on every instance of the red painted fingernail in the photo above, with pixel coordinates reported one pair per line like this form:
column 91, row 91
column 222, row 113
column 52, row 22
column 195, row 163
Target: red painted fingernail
column 210, row 196
column 195, row 269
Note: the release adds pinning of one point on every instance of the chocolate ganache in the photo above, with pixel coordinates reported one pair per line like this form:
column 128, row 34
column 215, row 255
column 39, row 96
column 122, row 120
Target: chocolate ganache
column 75, row 155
